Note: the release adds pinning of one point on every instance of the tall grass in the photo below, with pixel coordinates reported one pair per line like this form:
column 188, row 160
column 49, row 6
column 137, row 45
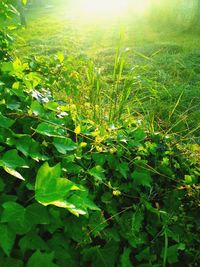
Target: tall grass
column 109, row 97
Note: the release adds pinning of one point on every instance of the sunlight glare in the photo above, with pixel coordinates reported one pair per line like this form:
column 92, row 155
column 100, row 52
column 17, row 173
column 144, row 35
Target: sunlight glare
column 104, row 7
column 108, row 9
column 141, row 5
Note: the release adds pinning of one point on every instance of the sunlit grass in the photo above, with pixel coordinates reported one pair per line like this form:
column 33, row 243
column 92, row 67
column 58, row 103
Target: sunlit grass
column 149, row 78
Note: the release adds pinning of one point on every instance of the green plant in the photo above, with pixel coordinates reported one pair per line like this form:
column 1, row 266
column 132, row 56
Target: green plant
column 78, row 193
column 134, row 191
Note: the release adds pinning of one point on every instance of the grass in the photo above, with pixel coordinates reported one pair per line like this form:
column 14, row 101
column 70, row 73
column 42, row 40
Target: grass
column 126, row 67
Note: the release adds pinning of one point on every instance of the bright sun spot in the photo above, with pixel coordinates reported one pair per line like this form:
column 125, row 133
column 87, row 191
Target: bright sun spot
column 104, row 7
column 141, row 5
column 109, row 8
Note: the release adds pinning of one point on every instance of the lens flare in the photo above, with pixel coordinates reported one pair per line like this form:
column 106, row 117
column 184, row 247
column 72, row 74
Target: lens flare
column 104, row 5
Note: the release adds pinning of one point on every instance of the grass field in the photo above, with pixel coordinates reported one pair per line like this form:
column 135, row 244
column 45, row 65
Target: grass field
column 126, row 65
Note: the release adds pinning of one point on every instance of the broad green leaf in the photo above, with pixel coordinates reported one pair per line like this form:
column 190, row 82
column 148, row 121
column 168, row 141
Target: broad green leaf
column 32, row 241
column 100, row 159
column 72, row 168
column 29, row 147
column 97, row 172
column 63, row 251
column 51, row 105
column 12, row 160
column 14, row 215
column 172, row 253
column 39, row 259
column 37, row 109
column 37, row 214
column 49, row 129
column 81, row 203
column 5, row 134
column 5, row 122
column 50, row 188
column 142, row 178
column 7, row 238
column 7, row 67
column 12, row 104
column 64, row 144
column 18, row 90
column 32, row 79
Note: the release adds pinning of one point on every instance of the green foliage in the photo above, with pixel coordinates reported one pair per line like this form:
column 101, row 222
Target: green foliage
column 132, row 188
column 78, row 193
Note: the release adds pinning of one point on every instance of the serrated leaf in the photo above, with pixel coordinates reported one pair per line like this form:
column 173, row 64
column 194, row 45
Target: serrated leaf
column 142, row 178
column 39, row 259
column 64, row 144
column 7, row 239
